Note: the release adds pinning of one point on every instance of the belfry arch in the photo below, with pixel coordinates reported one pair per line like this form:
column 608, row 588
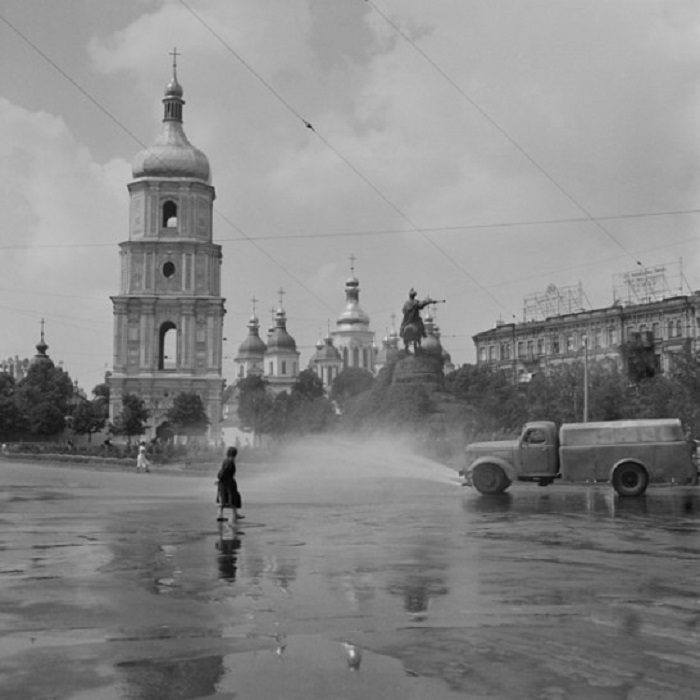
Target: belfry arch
column 169, row 214
column 167, row 346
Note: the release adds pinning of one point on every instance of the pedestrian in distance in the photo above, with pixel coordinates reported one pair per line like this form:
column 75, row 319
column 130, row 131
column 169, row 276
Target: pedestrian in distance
column 228, row 495
column 142, row 462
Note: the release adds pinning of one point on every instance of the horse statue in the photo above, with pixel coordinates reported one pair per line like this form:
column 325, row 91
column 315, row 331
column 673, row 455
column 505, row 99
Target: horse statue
column 412, row 328
column 412, row 335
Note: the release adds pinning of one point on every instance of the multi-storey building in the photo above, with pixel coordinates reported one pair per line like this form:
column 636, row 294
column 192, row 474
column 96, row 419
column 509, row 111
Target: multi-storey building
column 525, row 348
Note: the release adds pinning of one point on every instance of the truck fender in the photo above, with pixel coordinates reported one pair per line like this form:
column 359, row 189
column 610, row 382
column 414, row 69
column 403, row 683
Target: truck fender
column 507, row 467
column 627, row 460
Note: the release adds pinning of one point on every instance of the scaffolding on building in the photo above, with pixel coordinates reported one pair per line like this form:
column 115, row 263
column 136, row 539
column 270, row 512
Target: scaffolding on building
column 554, row 301
column 645, row 285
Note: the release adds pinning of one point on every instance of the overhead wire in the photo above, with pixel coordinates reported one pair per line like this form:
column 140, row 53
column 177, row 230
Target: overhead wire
column 130, row 133
column 589, row 216
column 307, row 124
column 386, row 232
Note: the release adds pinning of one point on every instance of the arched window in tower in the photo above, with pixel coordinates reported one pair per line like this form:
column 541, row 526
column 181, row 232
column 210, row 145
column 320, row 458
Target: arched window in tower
column 345, row 357
column 356, row 357
column 167, row 346
column 365, row 358
column 169, row 214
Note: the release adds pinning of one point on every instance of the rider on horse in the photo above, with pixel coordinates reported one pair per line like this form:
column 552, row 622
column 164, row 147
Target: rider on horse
column 412, row 319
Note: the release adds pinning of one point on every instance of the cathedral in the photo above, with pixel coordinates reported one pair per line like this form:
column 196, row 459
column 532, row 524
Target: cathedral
column 169, row 313
column 351, row 344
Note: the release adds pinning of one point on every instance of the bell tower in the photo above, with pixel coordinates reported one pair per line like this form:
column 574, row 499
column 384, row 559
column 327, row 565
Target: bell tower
column 169, row 313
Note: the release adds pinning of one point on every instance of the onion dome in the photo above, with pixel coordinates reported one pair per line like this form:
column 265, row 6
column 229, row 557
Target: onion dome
column 279, row 339
column 326, row 352
column 172, row 155
column 352, row 316
column 431, row 344
column 41, row 348
column 253, row 347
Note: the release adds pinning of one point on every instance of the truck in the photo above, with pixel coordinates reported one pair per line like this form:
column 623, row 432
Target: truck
column 629, row 454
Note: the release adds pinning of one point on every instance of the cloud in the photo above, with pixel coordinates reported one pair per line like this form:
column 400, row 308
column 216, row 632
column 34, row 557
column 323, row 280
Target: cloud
column 530, row 111
column 61, row 234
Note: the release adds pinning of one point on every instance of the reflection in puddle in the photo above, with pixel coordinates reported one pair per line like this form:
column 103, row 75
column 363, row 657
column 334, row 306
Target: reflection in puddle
column 658, row 503
column 175, row 679
column 227, row 546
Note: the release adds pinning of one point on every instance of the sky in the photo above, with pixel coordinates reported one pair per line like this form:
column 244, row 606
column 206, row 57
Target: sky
column 477, row 151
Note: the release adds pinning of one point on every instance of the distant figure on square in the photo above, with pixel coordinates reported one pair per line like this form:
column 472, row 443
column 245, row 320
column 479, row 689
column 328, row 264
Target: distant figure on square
column 228, row 495
column 142, row 462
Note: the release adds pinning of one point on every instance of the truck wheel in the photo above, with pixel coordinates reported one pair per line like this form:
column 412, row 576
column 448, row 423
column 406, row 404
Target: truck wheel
column 490, row 479
column 630, row 479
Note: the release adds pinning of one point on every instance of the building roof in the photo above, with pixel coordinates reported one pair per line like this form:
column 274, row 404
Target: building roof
column 172, row 155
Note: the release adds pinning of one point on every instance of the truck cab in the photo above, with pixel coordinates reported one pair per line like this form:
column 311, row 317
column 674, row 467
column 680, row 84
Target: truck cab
column 493, row 466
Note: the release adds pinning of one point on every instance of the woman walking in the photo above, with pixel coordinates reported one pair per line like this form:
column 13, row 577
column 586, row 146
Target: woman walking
column 142, row 462
column 228, row 496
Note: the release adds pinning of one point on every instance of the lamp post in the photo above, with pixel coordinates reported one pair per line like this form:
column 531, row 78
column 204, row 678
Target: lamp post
column 585, row 379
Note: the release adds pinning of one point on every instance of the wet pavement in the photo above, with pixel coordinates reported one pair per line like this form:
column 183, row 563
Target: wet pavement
column 357, row 573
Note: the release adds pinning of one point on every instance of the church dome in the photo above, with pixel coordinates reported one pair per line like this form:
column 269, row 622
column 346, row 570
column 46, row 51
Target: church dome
column 253, row 345
column 431, row 344
column 172, row 155
column 352, row 315
column 326, row 352
column 279, row 338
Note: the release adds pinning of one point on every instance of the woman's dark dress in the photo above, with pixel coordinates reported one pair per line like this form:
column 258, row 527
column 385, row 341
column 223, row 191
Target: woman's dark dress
column 229, row 497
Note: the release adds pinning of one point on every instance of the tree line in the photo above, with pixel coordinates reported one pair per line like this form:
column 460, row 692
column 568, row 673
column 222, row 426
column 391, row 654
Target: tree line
column 45, row 403
column 482, row 402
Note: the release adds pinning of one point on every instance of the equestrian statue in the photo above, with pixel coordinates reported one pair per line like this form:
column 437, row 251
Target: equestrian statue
column 412, row 328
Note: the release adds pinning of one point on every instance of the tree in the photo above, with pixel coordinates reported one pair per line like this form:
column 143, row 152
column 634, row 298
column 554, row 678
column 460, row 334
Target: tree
column 187, row 414
column 43, row 396
column 638, row 356
column 12, row 421
column 254, row 403
column 89, row 417
column 308, row 386
column 131, row 421
column 351, row 382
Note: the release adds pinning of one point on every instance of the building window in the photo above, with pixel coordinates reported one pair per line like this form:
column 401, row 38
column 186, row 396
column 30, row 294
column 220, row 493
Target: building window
column 492, row 353
column 355, row 357
column 167, row 346
column 521, row 349
column 679, row 329
column 271, row 366
column 598, row 338
column 169, row 269
column 365, row 359
column 556, row 345
column 540, row 346
column 570, row 343
column 612, row 337
column 482, row 354
column 169, row 214
column 656, row 330
column 284, row 367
